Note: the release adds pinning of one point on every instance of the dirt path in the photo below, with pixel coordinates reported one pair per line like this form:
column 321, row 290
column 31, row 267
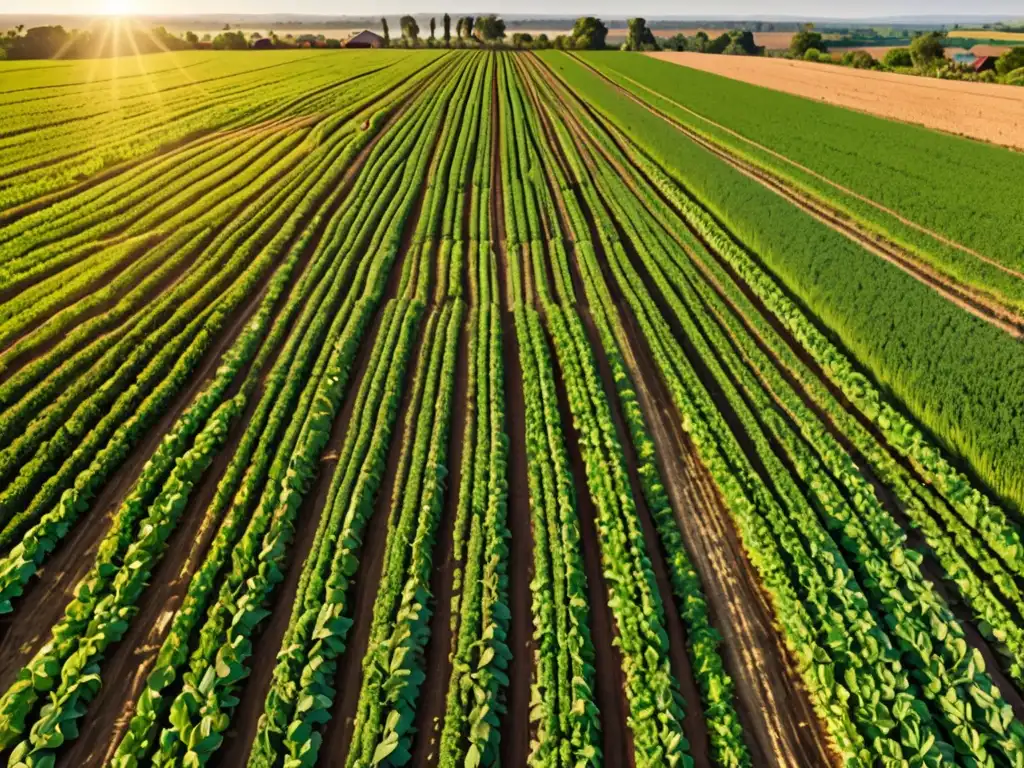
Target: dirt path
column 983, row 111
column 967, row 298
column 780, row 723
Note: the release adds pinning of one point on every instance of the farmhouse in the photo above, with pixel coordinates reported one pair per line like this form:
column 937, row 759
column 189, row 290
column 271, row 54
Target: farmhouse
column 984, row 63
column 365, row 39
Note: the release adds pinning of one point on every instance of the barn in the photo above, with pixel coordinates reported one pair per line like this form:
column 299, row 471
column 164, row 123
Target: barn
column 365, row 39
column 984, row 63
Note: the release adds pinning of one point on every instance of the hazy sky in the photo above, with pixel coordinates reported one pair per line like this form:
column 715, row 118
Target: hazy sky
column 653, row 8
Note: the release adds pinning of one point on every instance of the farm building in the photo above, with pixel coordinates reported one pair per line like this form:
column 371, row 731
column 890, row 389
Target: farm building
column 984, row 63
column 365, row 39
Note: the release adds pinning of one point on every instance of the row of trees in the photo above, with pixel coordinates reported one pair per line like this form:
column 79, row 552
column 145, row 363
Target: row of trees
column 738, row 42
column 468, row 30
column 587, row 33
column 926, row 55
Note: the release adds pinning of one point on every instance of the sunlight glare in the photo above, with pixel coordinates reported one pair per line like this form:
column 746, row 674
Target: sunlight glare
column 116, row 7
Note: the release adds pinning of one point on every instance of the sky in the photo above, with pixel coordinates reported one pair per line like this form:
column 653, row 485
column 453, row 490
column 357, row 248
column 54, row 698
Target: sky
column 618, row 8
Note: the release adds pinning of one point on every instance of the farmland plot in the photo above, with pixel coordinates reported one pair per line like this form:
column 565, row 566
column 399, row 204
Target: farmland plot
column 452, row 408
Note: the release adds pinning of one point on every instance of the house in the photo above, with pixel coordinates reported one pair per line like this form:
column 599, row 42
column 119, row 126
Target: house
column 364, row 39
column 984, row 63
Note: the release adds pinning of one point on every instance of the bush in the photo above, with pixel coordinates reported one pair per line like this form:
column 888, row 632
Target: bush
column 588, row 33
column 926, row 50
column 1016, row 77
column 806, row 40
column 898, row 57
column 858, row 60
column 812, row 54
column 1010, row 61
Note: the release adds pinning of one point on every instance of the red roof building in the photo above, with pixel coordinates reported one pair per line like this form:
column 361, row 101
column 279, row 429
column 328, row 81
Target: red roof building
column 365, row 39
column 984, row 63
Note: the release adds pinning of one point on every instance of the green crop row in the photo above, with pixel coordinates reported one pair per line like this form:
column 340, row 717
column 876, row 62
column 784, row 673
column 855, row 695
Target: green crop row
column 60, row 715
column 950, row 674
column 221, row 659
column 725, row 731
column 927, row 176
column 655, row 703
column 563, row 713
column 947, row 368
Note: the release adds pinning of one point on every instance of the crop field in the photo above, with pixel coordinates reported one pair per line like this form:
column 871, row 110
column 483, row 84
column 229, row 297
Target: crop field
column 478, row 408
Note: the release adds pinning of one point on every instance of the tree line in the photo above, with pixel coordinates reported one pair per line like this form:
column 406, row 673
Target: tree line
column 110, row 38
column 588, row 32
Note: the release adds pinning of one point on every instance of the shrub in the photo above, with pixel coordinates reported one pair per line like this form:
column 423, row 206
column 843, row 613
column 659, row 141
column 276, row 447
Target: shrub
column 926, row 50
column 858, row 60
column 806, row 40
column 898, row 57
column 1010, row 61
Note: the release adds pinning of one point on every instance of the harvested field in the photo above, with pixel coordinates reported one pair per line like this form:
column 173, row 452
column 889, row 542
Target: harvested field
column 981, row 111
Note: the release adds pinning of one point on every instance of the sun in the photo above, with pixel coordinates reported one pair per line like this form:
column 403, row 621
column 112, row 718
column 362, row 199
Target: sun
column 117, row 7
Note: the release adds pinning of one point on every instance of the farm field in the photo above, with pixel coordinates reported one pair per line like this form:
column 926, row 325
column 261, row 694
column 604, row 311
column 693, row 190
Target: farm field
column 458, row 408
column 985, row 111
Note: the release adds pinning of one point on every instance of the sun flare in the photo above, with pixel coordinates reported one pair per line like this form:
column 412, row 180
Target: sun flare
column 117, row 7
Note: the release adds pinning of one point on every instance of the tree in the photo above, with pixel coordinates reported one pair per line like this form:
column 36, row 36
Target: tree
column 410, row 30
column 741, row 43
column 1012, row 60
column 468, row 25
column 719, row 44
column 384, row 26
column 589, row 33
column 897, row 57
column 701, row 41
column 433, row 26
column 542, row 41
column 806, row 39
column 927, row 49
column 639, row 35
column 522, row 40
column 676, row 43
column 858, row 60
column 230, row 41
column 192, row 39
column 490, row 28
column 447, row 22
